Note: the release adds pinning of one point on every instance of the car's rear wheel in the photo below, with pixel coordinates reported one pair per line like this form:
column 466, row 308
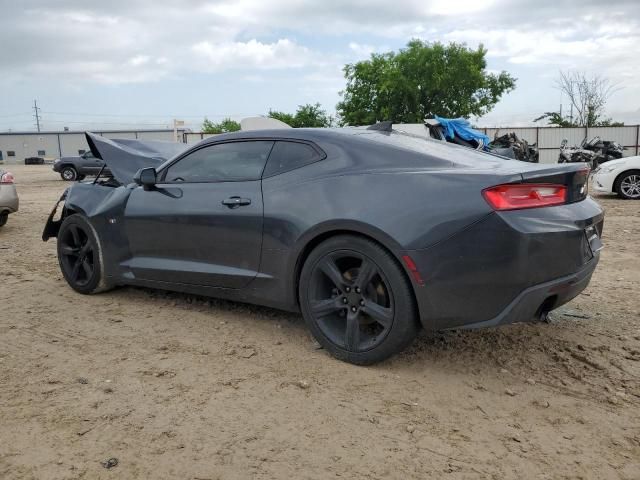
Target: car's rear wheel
column 69, row 174
column 357, row 301
column 4, row 216
column 627, row 185
column 80, row 256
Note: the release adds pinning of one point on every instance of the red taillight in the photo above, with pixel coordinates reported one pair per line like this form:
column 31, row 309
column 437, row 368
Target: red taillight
column 525, row 195
column 7, row 178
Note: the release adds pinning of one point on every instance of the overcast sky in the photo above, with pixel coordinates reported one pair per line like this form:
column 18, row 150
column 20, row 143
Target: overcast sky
column 126, row 63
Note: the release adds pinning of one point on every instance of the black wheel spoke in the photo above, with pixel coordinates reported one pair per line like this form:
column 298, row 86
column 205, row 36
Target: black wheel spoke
column 325, row 307
column 88, row 269
column 365, row 274
column 352, row 332
column 331, row 270
column 69, row 250
column 75, row 235
column 75, row 271
column 382, row 315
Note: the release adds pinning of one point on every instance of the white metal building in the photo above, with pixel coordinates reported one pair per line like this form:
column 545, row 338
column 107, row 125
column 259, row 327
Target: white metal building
column 16, row 146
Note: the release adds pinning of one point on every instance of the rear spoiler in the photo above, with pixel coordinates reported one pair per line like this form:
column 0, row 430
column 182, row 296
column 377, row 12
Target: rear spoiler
column 574, row 176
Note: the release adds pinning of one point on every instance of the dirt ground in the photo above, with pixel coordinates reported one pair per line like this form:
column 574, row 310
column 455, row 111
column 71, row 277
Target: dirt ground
column 176, row 386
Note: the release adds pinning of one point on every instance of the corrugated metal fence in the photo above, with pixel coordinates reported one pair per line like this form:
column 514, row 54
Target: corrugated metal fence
column 548, row 139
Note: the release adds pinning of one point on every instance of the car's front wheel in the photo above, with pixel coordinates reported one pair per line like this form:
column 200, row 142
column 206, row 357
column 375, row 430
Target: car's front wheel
column 69, row 174
column 357, row 300
column 80, row 256
column 627, row 185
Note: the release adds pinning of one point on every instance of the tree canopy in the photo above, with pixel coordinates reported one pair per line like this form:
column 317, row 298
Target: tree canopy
column 225, row 126
column 419, row 81
column 307, row 116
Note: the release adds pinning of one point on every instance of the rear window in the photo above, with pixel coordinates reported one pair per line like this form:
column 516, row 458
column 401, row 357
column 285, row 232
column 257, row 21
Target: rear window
column 287, row 156
column 403, row 140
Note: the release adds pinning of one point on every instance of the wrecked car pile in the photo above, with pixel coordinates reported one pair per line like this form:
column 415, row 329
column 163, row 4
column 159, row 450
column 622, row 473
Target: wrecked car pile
column 512, row 146
column 594, row 151
column 460, row 132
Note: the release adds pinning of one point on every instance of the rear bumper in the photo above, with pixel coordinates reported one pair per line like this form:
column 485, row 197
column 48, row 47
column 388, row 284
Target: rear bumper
column 539, row 299
column 502, row 268
column 8, row 199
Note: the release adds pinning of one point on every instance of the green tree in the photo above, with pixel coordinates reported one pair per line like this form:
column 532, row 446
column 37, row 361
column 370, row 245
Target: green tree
column 421, row 80
column 287, row 118
column 307, row 116
column 225, row 126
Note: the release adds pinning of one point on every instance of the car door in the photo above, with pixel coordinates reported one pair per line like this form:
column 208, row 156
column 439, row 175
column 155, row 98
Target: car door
column 90, row 165
column 202, row 223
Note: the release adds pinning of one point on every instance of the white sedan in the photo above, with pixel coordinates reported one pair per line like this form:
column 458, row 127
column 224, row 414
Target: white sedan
column 621, row 176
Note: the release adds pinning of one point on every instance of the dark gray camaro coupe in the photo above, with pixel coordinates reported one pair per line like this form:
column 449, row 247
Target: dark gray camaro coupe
column 370, row 234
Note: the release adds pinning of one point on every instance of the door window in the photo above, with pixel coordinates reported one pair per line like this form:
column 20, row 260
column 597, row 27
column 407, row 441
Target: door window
column 225, row 162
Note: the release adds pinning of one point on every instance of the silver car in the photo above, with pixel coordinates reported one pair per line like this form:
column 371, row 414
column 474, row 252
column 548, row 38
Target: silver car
column 8, row 196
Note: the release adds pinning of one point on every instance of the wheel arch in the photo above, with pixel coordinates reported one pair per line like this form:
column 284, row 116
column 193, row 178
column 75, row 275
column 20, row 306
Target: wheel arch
column 324, row 232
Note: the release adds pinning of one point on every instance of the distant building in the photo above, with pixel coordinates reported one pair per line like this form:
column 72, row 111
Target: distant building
column 16, row 146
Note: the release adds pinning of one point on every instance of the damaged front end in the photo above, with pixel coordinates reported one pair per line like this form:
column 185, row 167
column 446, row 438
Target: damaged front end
column 52, row 227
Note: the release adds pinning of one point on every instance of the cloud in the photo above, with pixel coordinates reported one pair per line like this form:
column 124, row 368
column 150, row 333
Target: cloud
column 307, row 42
column 252, row 54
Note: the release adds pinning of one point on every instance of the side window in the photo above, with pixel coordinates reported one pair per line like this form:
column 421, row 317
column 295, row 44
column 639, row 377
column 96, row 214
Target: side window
column 11, row 153
column 41, row 153
column 286, row 156
column 225, row 162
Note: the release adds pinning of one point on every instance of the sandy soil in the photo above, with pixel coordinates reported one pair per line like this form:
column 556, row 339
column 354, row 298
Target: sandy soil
column 176, row 386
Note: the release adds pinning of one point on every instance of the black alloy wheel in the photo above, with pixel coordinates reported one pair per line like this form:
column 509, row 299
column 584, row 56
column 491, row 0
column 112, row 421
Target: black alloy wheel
column 79, row 255
column 357, row 300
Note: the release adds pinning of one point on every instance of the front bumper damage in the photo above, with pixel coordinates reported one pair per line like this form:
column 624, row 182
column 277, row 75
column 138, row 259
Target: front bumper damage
column 52, row 226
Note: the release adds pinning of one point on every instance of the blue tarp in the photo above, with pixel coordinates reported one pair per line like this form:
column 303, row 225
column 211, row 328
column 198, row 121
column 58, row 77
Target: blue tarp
column 462, row 128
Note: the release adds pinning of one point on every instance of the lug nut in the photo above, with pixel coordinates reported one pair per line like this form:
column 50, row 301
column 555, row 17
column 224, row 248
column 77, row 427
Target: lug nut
column 348, row 289
column 344, row 300
column 353, row 309
column 362, row 303
column 357, row 289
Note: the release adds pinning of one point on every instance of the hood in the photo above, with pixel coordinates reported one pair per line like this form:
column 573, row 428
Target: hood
column 615, row 163
column 125, row 157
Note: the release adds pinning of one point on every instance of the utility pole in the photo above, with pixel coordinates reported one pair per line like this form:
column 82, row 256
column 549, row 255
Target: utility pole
column 37, row 114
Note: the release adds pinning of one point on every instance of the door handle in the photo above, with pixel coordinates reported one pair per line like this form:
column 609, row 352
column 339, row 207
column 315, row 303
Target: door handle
column 234, row 202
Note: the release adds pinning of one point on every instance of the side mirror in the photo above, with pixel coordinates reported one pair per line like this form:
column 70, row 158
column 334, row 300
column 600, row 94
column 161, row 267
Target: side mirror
column 146, row 177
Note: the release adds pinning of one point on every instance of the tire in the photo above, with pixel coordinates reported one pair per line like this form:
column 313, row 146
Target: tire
column 627, row 185
column 357, row 325
column 80, row 256
column 4, row 216
column 69, row 174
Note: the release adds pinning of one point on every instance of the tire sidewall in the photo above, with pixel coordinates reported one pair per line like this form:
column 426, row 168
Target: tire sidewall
column 97, row 282
column 405, row 324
